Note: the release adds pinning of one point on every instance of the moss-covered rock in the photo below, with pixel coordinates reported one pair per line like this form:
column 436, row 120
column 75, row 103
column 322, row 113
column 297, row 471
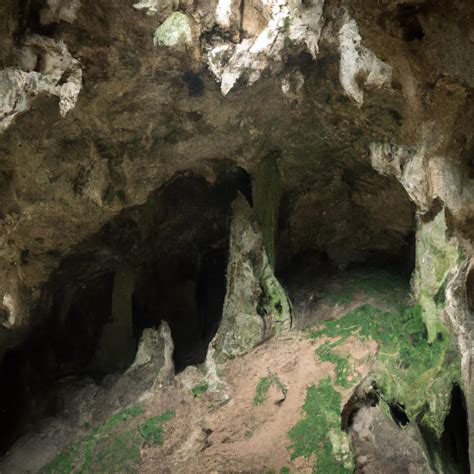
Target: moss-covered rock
column 437, row 259
column 273, row 302
column 409, row 369
column 242, row 328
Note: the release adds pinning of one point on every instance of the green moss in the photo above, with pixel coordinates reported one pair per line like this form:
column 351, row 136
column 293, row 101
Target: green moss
column 342, row 367
column 383, row 286
column 152, row 430
column 100, row 447
column 273, row 300
column 320, row 425
column 438, row 257
column 285, row 470
column 200, row 389
column 409, row 369
column 113, row 446
column 264, row 385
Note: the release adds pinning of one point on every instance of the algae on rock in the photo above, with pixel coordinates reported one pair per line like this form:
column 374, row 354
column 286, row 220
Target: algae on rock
column 437, row 260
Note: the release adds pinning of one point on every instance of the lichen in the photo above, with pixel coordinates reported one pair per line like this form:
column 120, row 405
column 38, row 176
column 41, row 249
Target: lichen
column 175, row 31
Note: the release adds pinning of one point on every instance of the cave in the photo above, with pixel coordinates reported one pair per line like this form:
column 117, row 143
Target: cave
column 188, row 293
column 328, row 239
column 146, row 266
column 218, row 219
column 451, row 452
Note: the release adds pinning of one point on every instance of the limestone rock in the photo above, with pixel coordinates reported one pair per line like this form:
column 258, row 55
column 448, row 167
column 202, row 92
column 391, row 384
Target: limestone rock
column 358, row 62
column 256, row 305
column 175, row 31
column 18, row 87
column 247, row 60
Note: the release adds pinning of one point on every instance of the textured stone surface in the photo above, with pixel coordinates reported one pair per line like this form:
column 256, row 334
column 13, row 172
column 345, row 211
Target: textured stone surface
column 256, row 305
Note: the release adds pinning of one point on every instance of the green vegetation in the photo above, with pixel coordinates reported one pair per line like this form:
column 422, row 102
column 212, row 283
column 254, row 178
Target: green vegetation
column 263, row 386
column 152, row 430
column 319, row 431
column 200, row 389
column 285, row 470
column 384, row 286
column 409, row 370
column 273, row 300
column 113, row 446
column 342, row 369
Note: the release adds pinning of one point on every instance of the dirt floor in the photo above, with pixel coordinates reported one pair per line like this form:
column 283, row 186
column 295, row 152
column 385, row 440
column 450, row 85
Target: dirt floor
column 221, row 430
column 241, row 436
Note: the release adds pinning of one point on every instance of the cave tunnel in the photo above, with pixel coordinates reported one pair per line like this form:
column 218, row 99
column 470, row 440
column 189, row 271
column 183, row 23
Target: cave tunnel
column 163, row 260
column 335, row 226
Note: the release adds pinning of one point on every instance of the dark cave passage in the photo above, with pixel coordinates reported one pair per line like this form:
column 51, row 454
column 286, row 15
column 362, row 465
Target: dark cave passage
column 343, row 233
column 455, row 438
column 188, row 295
column 451, row 452
column 164, row 260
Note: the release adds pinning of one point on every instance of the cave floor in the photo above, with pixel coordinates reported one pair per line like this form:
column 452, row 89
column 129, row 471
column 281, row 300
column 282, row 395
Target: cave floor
column 279, row 408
